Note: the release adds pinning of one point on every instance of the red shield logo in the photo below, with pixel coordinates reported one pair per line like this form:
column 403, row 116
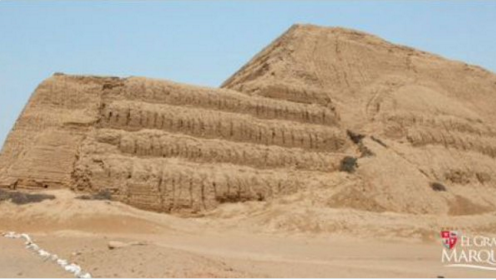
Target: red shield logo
column 449, row 238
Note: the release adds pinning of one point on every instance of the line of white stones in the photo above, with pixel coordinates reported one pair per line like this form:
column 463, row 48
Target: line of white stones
column 30, row 245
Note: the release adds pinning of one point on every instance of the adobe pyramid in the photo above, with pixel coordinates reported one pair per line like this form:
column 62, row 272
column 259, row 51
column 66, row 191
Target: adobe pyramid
column 419, row 127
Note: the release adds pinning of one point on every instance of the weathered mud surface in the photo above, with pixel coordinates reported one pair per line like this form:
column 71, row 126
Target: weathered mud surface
column 280, row 126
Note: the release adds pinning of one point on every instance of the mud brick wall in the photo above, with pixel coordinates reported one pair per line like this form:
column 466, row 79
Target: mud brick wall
column 168, row 147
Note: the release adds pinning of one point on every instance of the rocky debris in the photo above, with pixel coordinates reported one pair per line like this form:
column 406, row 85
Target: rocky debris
column 30, row 245
column 349, row 164
column 20, row 198
column 101, row 195
column 112, row 245
column 438, row 187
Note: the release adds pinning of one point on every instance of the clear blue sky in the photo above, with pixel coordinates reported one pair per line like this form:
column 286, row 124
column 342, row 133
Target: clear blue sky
column 204, row 42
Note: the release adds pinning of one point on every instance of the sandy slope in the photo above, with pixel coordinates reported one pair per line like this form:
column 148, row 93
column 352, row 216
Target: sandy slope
column 209, row 246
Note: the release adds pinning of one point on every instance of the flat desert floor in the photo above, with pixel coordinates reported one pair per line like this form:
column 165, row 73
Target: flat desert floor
column 170, row 246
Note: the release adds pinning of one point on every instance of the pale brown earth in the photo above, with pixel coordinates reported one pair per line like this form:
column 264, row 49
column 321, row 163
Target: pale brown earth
column 80, row 231
column 251, row 174
column 15, row 262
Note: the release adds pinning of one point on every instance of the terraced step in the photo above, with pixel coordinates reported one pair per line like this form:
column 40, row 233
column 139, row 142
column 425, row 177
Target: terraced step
column 133, row 116
column 173, row 185
column 455, row 140
column 157, row 91
column 157, row 143
column 453, row 167
column 443, row 122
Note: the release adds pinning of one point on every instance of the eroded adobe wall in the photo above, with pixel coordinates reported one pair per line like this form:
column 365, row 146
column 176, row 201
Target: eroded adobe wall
column 41, row 149
column 169, row 147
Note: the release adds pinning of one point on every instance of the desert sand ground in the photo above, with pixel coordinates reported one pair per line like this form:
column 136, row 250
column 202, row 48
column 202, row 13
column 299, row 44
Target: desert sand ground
column 171, row 246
